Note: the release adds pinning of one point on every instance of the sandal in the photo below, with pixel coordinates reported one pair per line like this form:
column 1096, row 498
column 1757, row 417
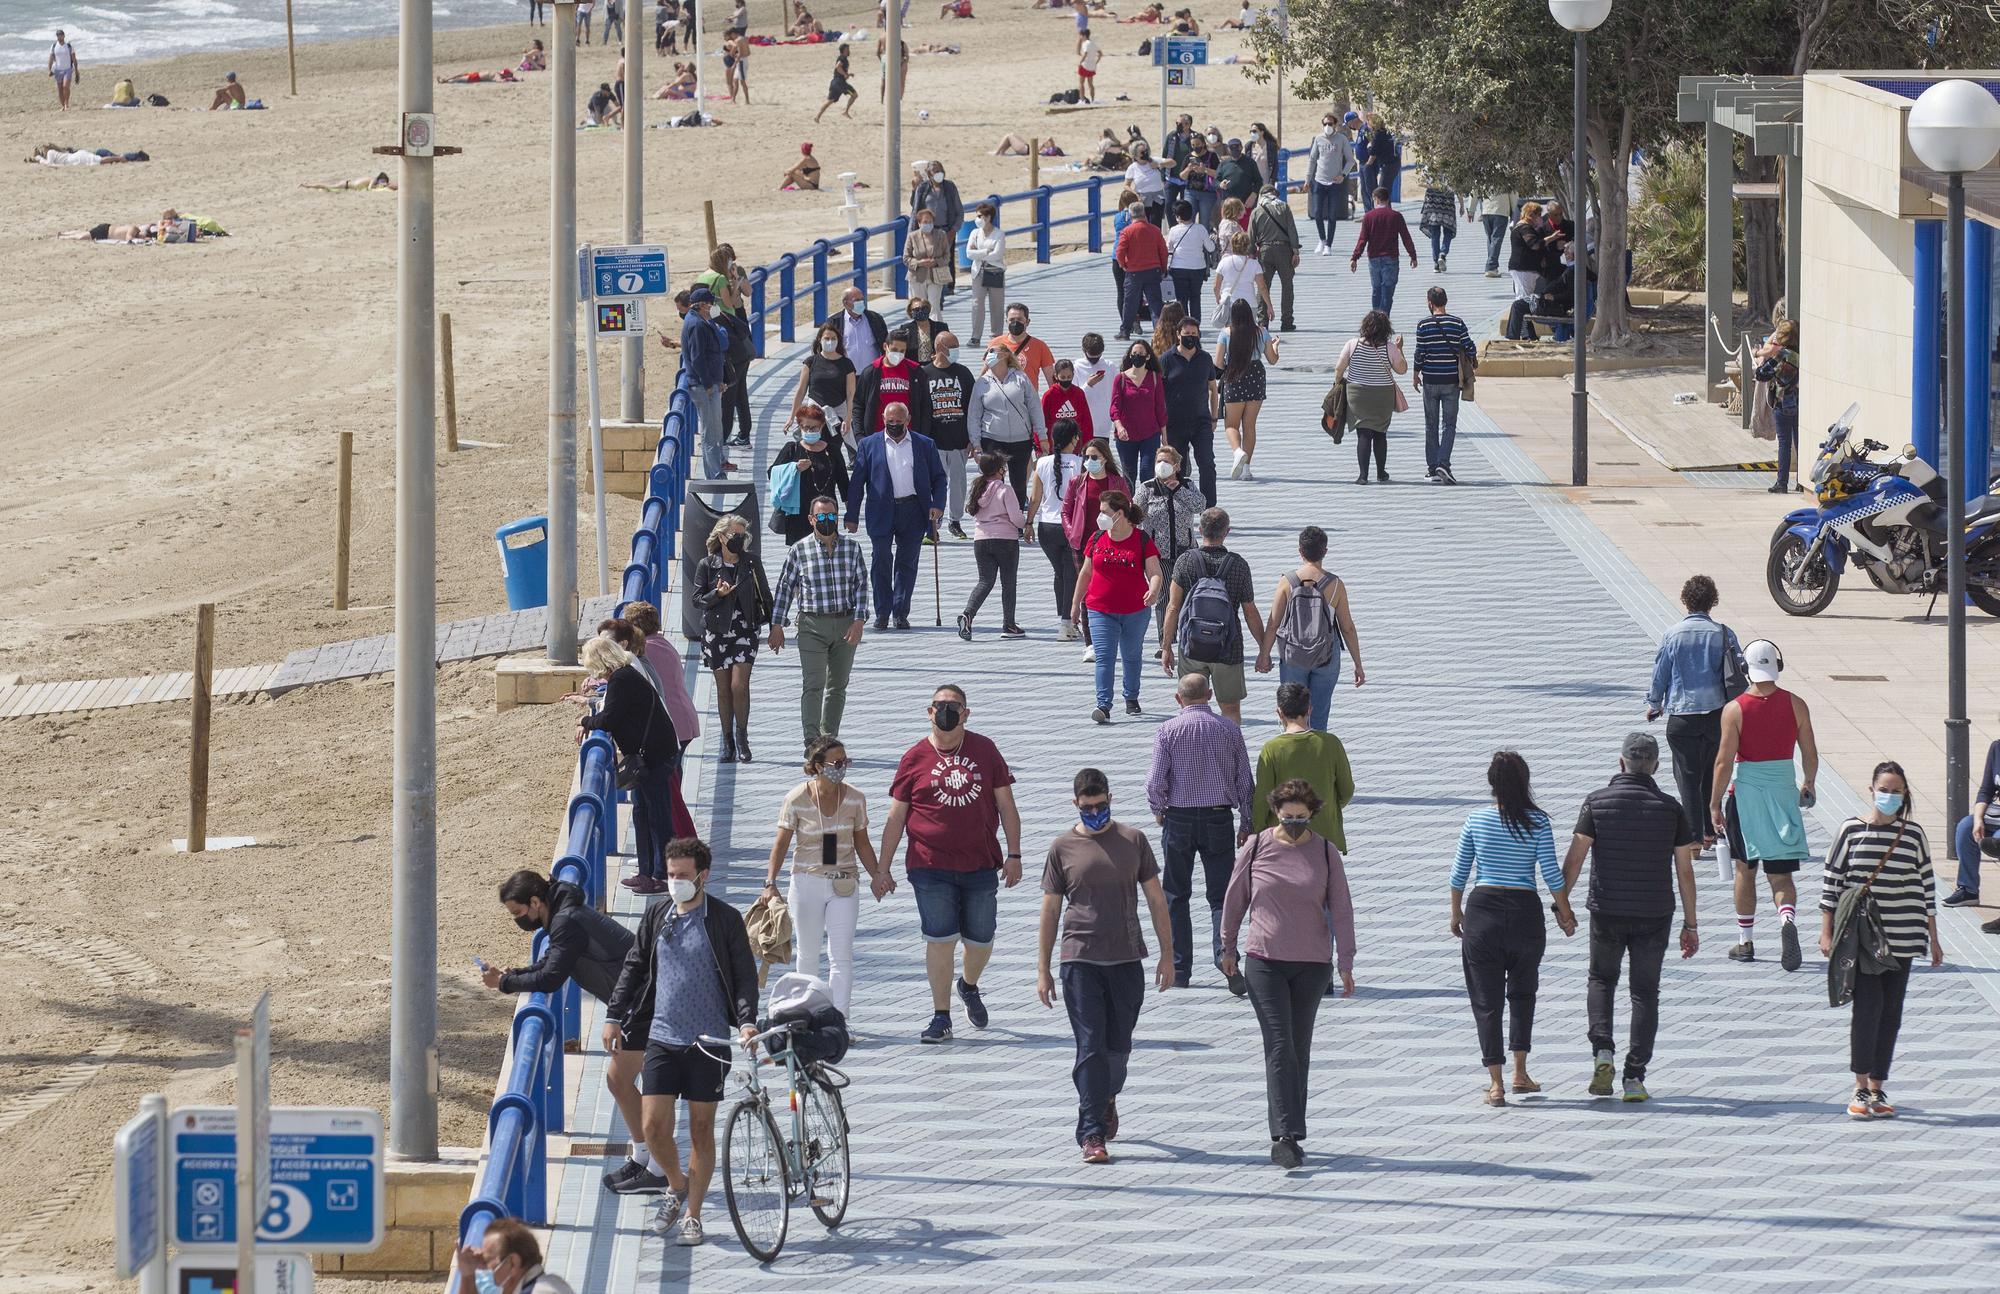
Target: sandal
column 1493, row 1096
column 1530, row 1086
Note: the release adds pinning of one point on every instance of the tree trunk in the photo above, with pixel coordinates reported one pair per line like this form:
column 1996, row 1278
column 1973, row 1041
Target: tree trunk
column 1612, row 154
column 1763, row 257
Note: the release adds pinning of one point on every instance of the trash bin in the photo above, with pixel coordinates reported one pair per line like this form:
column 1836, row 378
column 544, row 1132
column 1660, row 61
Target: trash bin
column 708, row 502
column 524, row 561
column 965, row 228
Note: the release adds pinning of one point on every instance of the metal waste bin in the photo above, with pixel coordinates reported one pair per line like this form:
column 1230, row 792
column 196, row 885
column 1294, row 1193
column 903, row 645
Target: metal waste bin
column 707, row 503
column 524, row 561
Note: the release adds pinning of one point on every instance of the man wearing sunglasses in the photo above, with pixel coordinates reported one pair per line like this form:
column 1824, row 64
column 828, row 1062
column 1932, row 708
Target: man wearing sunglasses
column 826, row 575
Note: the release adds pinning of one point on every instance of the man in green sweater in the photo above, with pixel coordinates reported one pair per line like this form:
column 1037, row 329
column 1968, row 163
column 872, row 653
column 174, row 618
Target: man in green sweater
column 1316, row 757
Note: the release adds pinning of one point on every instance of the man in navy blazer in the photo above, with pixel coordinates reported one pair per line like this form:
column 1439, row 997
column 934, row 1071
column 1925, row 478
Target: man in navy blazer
column 899, row 486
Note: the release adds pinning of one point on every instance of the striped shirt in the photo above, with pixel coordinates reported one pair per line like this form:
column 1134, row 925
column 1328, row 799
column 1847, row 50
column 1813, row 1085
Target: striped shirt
column 825, row 581
column 1441, row 339
column 1369, row 366
column 1491, row 853
column 1904, row 893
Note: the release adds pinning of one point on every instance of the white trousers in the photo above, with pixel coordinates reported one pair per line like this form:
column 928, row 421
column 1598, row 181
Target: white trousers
column 817, row 915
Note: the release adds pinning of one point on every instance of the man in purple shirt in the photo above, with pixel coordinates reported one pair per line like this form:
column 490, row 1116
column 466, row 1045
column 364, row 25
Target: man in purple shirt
column 1199, row 791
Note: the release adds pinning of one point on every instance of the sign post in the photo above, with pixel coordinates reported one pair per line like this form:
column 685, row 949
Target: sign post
column 253, row 1120
column 275, row 1274
column 1176, row 57
column 139, row 1191
column 326, row 1187
column 632, row 273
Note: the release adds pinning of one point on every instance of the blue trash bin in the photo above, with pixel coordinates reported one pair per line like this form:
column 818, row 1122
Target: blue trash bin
column 965, row 228
column 524, row 561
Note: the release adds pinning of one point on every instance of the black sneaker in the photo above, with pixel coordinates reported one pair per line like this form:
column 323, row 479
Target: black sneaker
column 1285, row 1153
column 1444, row 474
column 1361, row 479
column 1788, row 945
column 632, row 1179
column 1100, row 715
column 1013, row 631
column 902, row 622
column 938, row 1030
column 1132, row 706
column 881, row 623
column 1992, row 927
column 1962, row 898
column 975, row 1005
column 957, row 531
column 965, row 628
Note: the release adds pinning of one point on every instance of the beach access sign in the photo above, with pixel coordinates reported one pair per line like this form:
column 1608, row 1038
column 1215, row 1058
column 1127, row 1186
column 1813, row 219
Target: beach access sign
column 209, row 1274
column 636, row 271
column 1180, row 51
column 621, row 318
column 326, row 1187
column 138, row 1169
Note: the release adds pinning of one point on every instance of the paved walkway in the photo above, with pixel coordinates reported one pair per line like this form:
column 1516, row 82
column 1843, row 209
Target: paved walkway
column 1491, row 615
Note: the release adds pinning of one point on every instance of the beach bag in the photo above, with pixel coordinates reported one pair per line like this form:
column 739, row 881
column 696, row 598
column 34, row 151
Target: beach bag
column 1208, row 617
column 156, row 101
column 1333, row 411
column 1307, row 635
column 784, row 484
column 1860, row 945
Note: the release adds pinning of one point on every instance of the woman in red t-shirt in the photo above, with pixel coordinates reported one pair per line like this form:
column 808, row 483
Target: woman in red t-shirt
column 1119, row 581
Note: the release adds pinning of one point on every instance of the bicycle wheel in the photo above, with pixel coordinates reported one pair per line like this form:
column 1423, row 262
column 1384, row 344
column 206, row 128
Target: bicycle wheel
column 753, row 1178
column 825, row 1154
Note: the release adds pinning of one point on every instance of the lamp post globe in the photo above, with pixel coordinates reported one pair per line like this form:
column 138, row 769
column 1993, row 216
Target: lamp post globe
column 1579, row 15
column 1954, row 127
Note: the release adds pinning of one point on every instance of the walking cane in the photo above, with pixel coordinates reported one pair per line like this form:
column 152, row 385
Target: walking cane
column 937, row 584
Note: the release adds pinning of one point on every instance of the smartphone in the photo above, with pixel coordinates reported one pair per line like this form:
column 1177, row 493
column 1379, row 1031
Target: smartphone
column 480, row 962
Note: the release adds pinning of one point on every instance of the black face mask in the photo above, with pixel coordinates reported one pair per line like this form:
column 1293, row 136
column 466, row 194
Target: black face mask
column 896, row 430
column 734, row 544
column 947, row 715
column 1190, row 343
column 1017, row 328
column 825, row 525
column 528, row 923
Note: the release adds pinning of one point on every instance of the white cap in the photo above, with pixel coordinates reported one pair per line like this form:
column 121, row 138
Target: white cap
column 1762, row 661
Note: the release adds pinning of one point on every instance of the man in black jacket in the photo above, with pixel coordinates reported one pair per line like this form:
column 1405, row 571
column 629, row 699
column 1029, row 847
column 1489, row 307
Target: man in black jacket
column 948, row 396
column 589, row 947
column 1638, row 838
column 892, row 379
column 690, row 975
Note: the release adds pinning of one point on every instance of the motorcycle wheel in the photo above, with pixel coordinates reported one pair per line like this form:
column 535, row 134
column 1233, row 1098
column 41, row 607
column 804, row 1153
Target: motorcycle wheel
column 1984, row 557
column 1799, row 590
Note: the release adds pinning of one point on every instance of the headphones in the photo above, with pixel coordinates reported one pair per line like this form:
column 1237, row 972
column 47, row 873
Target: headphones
column 1779, row 652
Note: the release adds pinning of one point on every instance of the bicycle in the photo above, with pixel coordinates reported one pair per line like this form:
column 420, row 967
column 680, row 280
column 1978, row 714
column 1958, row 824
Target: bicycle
column 763, row 1169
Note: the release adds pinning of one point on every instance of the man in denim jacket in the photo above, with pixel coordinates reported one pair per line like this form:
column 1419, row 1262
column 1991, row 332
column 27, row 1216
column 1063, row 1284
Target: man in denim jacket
column 1688, row 685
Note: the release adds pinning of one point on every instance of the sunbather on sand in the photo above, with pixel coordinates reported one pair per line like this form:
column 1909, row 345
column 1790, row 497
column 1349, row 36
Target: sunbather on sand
column 229, row 94
column 1015, row 146
column 479, row 78
column 120, row 233
column 380, row 180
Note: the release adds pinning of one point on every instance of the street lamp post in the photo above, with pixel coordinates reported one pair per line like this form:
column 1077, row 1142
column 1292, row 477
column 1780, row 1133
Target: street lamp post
column 1581, row 17
column 1955, row 128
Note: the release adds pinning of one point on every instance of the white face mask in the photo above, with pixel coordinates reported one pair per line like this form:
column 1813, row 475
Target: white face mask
column 829, row 346
column 681, row 889
column 1104, row 521
column 1162, row 470
column 1328, row 130
column 1095, row 466
column 894, row 357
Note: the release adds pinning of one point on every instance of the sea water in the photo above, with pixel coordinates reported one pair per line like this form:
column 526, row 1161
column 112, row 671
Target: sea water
column 120, row 31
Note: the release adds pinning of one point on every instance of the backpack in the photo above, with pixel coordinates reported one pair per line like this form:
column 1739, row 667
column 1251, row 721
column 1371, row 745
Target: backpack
column 1208, row 616
column 1307, row 636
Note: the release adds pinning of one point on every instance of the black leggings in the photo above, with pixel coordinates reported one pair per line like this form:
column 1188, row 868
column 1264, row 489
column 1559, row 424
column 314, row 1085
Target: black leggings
column 1878, row 1017
column 736, row 405
column 1378, row 441
column 1018, row 454
column 995, row 557
column 1062, row 560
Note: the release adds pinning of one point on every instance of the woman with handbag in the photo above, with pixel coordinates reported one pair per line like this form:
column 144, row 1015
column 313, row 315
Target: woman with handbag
column 1008, row 416
column 986, row 251
column 1778, row 364
column 822, row 469
column 649, row 752
column 1369, row 365
column 823, row 825
column 735, row 602
column 1877, row 908
column 1191, row 253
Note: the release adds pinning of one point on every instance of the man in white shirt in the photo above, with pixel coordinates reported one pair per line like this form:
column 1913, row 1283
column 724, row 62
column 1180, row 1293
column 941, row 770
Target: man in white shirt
column 1088, row 55
column 862, row 331
column 65, row 69
column 1094, row 374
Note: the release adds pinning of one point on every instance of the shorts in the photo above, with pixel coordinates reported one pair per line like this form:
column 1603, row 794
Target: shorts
column 1086, row 73
column 1228, row 681
column 687, row 1072
column 957, row 905
column 62, row 77
column 1739, row 851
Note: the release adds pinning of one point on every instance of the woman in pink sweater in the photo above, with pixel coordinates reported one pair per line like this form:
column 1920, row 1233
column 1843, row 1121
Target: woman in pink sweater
column 1290, row 883
column 996, row 544
column 1138, row 411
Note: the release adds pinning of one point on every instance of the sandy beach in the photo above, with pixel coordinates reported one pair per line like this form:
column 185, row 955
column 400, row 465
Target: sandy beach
column 174, row 417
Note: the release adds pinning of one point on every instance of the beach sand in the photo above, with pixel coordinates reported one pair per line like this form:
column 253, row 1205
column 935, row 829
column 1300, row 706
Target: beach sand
column 173, row 418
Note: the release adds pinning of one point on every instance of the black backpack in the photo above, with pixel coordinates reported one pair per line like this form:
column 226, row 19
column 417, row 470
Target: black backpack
column 1208, row 616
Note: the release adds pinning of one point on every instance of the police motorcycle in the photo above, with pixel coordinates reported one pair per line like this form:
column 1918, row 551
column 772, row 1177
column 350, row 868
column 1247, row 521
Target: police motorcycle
column 1888, row 518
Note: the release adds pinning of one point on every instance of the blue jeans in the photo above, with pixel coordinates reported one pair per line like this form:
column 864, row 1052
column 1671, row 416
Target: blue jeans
column 708, row 424
column 1440, row 423
column 1968, row 856
column 1136, row 457
column 1440, row 237
column 1205, row 204
column 1209, row 834
column 957, row 905
column 1320, row 680
column 1496, row 239
column 1103, row 1003
column 893, row 564
column 1111, row 636
column 1383, row 271
column 1141, row 286
column 1187, row 291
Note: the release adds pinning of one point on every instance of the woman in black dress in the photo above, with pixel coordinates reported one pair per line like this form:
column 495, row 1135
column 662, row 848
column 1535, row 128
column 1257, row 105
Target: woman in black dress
column 822, row 468
column 826, row 378
column 735, row 601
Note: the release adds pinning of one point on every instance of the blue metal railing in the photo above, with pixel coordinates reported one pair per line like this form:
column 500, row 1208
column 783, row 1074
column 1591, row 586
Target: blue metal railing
column 785, row 302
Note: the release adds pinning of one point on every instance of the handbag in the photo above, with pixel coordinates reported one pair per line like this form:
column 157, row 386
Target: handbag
column 629, row 766
column 992, row 278
column 1860, row 946
column 1763, row 418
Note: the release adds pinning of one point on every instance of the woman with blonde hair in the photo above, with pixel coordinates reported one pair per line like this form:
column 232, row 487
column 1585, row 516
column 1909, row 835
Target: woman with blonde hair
column 735, row 602
column 649, row 753
column 1239, row 277
column 1230, row 224
column 1525, row 252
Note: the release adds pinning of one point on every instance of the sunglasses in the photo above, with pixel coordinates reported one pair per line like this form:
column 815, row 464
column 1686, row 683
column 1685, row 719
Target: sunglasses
column 825, row 516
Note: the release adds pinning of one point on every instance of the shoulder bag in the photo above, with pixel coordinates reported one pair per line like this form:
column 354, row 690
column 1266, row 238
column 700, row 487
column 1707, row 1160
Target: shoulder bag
column 1860, row 945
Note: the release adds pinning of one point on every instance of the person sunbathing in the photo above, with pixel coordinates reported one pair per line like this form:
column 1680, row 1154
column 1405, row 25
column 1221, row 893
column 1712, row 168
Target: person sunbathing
column 1015, row 146
column 1185, row 23
column 229, row 94
column 805, row 175
column 479, row 78
column 682, row 86
column 1152, row 13
column 534, row 59
column 955, row 9
column 108, row 233
column 363, row 183
column 805, row 25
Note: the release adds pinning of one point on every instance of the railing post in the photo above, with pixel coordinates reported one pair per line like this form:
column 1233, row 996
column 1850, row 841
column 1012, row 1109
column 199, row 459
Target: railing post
column 860, row 241
column 902, row 273
column 1095, row 196
column 819, row 250
column 787, row 287
column 757, row 312
column 1042, row 225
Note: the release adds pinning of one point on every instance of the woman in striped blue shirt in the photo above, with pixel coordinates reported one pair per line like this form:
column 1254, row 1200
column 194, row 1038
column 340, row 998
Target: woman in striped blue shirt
column 1499, row 851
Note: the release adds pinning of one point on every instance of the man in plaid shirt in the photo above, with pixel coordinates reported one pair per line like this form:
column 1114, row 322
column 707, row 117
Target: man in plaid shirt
column 827, row 576
column 1199, row 790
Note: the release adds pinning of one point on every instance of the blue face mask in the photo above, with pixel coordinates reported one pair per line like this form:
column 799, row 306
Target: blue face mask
column 811, row 437
column 483, row 1281
column 1095, row 819
column 1889, row 801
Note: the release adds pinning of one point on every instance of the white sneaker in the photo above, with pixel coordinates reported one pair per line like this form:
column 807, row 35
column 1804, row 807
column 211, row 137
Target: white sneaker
column 1247, row 474
column 1238, row 460
column 1326, row 249
column 1090, row 653
column 1319, row 248
column 1066, row 632
column 690, row 1232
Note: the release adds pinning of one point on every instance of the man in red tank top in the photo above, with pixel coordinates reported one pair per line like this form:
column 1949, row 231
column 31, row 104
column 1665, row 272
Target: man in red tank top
column 1761, row 813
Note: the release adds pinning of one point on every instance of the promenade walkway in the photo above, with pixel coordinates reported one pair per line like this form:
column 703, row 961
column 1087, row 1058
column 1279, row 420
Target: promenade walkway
column 1494, row 614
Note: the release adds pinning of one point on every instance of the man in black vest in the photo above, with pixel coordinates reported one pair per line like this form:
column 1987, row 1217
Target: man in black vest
column 1638, row 837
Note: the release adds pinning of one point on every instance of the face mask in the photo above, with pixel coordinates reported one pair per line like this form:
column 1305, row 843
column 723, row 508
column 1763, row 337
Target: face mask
column 946, row 714
column 829, row 346
column 833, row 774
column 1136, row 359
column 856, row 308
column 812, row 437
column 734, row 544
column 1189, row 343
column 1889, row 801
column 1095, row 466
column 825, row 525
column 527, row 923
column 681, row 889
column 1065, row 383
column 985, row 222
column 1162, row 470
column 1095, row 819
column 1295, row 826
column 920, row 312
column 893, row 358
column 485, row 1283
column 1017, row 328
column 1327, row 130
column 942, row 358
column 1104, row 521
column 896, row 430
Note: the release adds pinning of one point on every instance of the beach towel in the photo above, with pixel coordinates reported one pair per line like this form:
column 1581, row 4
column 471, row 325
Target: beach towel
column 1767, row 810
